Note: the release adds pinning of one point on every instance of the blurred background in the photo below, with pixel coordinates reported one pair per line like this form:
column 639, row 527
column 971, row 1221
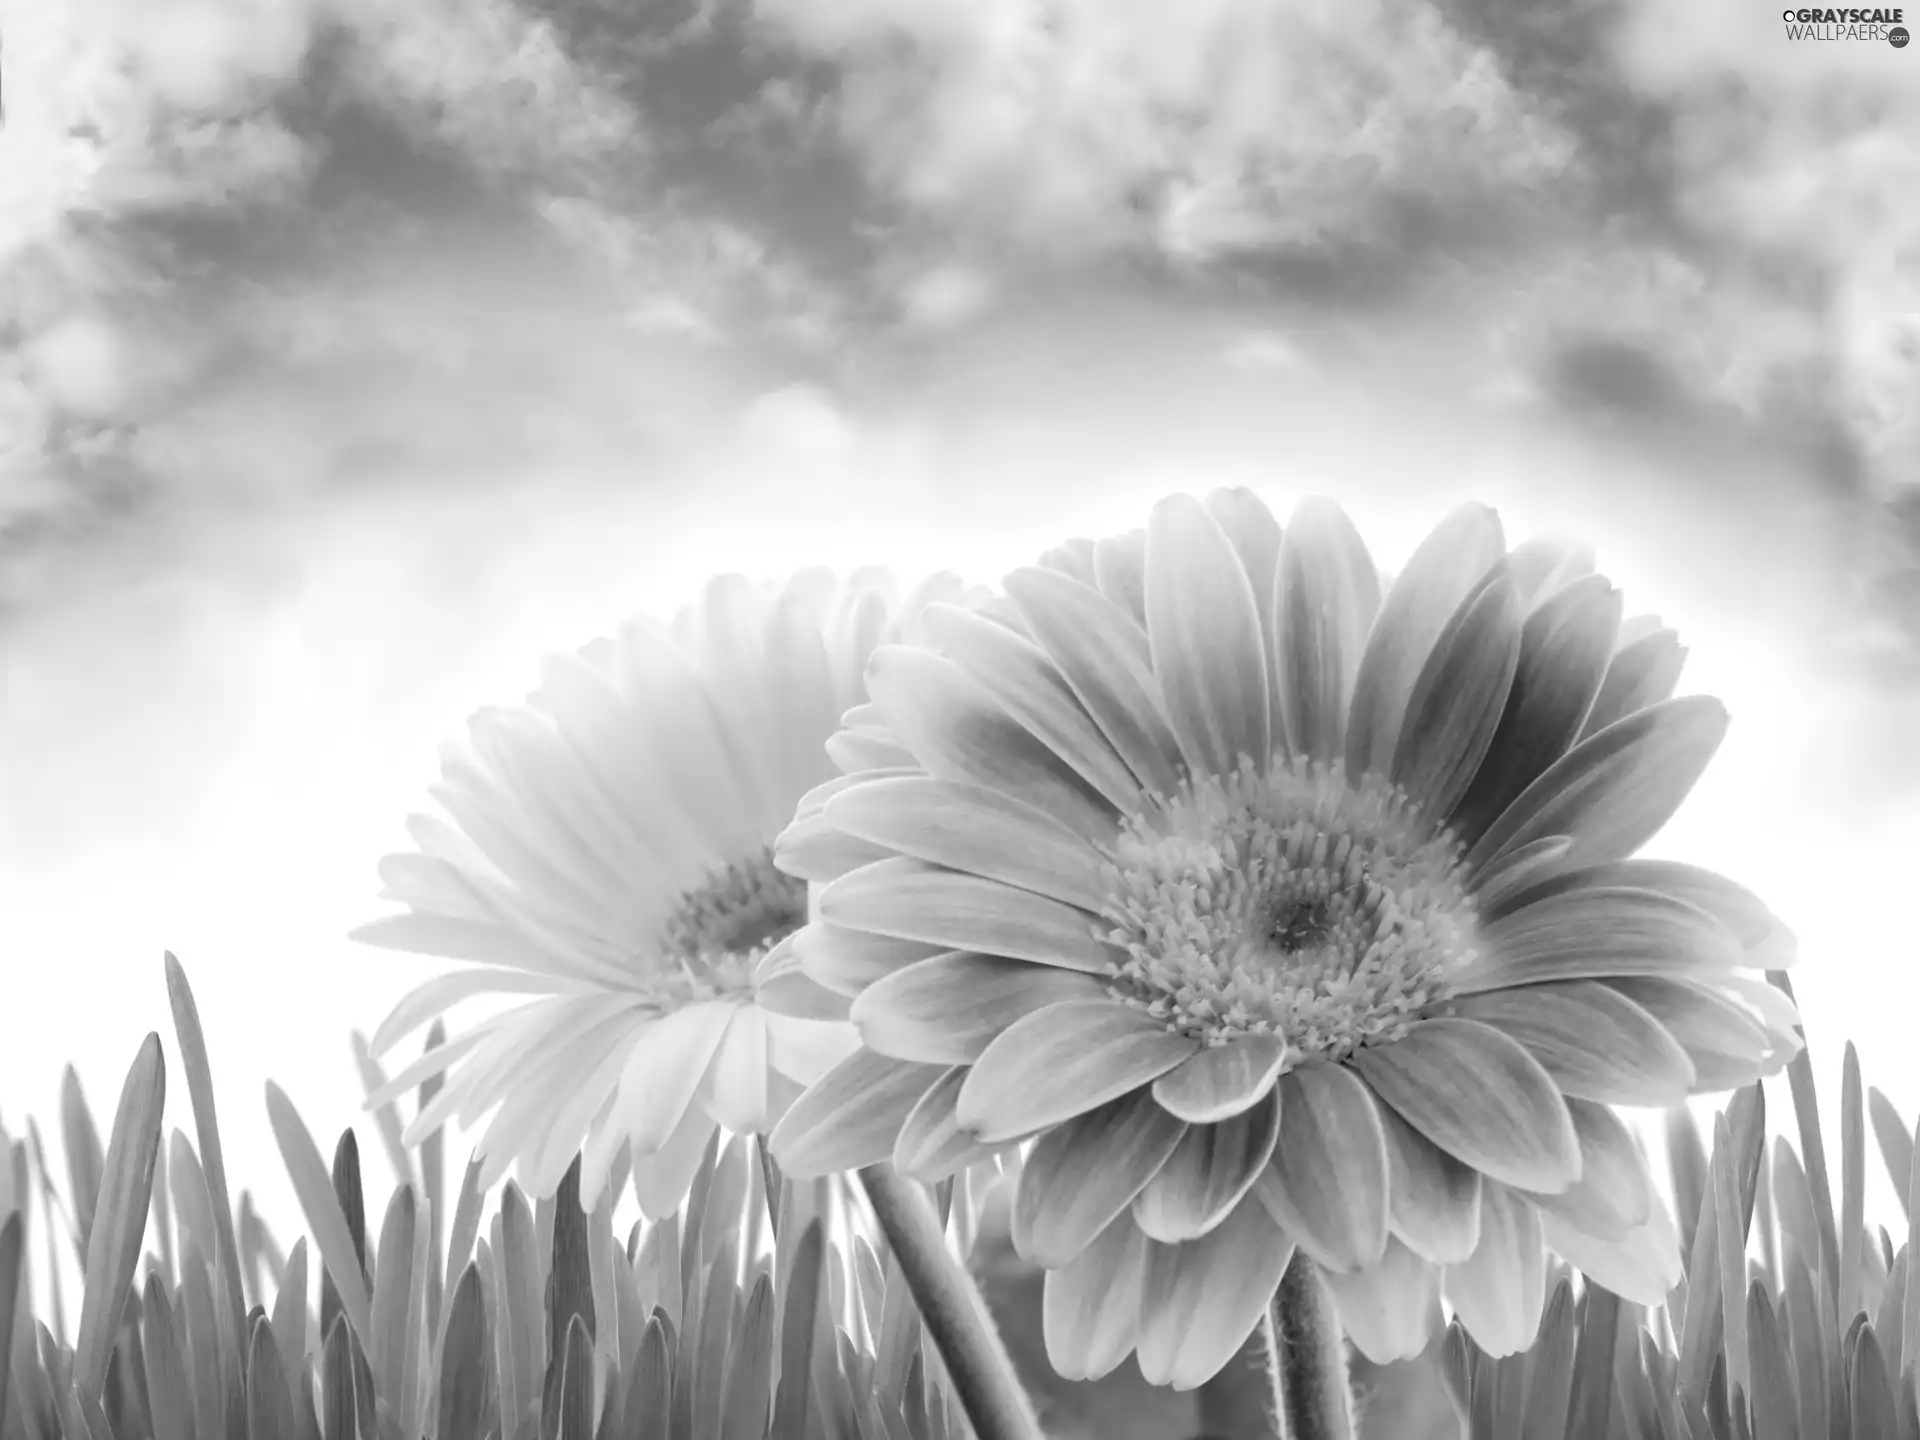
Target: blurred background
column 352, row 356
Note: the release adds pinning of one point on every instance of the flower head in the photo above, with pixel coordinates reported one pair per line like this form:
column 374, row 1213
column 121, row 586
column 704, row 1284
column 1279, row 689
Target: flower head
column 1280, row 908
column 605, row 856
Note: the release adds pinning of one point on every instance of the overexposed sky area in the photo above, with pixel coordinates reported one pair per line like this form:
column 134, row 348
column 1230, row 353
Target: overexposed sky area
column 349, row 363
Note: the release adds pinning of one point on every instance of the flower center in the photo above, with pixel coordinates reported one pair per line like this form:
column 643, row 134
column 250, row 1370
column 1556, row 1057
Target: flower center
column 1288, row 903
column 724, row 926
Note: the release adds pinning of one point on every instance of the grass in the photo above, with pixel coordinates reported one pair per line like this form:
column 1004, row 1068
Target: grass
column 764, row 1308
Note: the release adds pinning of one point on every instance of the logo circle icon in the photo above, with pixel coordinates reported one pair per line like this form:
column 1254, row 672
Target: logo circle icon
column 1898, row 37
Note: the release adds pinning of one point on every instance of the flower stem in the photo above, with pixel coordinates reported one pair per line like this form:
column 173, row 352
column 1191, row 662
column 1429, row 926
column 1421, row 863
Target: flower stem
column 978, row 1366
column 1310, row 1370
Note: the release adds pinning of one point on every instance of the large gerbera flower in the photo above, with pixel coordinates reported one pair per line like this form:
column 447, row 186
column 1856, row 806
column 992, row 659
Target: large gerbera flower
column 1278, row 914
column 607, row 852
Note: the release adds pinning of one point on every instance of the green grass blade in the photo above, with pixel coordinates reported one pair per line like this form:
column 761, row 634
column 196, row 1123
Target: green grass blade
column 1853, row 1186
column 693, row 1257
column 1550, row 1387
column 351, row 1195
column 573, row 1388
column 290, row 1314
column 466, row 1226
column 200, row 1331
column 522, row 1300
column 632, row 1311
column 233, row 1375
column 86, row 1161
column 192, row 1211
column 392, row 1288
column 1793, row 1209
column 13, row 1244
column 570, row 1275
column 169, row 1383
column 339, row 1404
column 492, row 1259
column 1889, row 1313
column 206, row 1122
column 306, row 1412
column 163, row 1217
column 56, row 1217
column 1870, row 1389
column 1774, row 1402
column 1808, row 1353
column 255, row 1283
column 717, row 1317
column 325, row 1220
column 1896, row 1144
column 1910, row 1302
column 466, row 1363
column 269, row 1400
column 648, row 1404
column 1591, row 1408
column 803, row 1298
column 659, row 1269
column 1730, row 1240
column 433, row 1180
column 120, row 1227
column 869, row 1285
column 125, row 1401
column 1765, row 1223
column 1813, row 1150
column 748, row 1389
column 415, row 1375
column 606, row 1303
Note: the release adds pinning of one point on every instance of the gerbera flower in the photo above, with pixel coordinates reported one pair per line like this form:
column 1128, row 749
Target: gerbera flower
column 1278, row 913
column 606, row 855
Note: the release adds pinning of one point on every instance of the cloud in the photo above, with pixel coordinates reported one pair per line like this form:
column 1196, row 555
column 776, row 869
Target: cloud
column 945, row 296
column 1198, row 130
column 1804, row 157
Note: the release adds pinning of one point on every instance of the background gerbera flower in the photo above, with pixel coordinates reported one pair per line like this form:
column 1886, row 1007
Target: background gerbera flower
column 1282, row 909
column 604, row 857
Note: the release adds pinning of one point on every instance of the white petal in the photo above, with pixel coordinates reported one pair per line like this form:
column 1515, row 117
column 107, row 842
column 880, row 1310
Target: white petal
column 661, row 1177
column 1201, row 1300
column 976, row 830
column 1104, row 657
column 1455, row 707
column 804, row 1050
column 1614, row 791
column 1062, row 1061
column 1204, row 633
column 1025, row 683
column 910, row 900
column 851, row 1116
column 957, row 731
column 949, row 1008
column 1390, row 1308
column 740, row 1073
column 1327, row 1186
column 1325, row 595
column 1480, row 1097
column 1443, row 572
column 1222, row 1080
column 1498, row 1293
column 666, row 1069
column 1091, row 1306
column 1086, row 1171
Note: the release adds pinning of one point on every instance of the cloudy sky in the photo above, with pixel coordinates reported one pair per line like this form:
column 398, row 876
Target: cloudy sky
column 352, row 355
